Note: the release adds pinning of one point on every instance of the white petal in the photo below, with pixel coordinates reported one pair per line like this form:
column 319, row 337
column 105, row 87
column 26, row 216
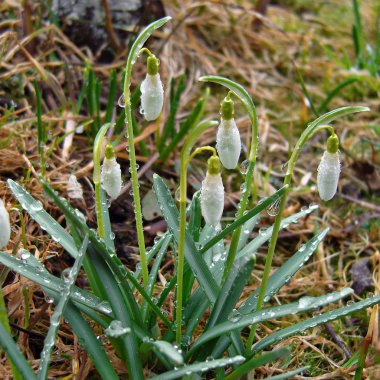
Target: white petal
column 5, row 227
column 228, row 143
column 152, row 97
column 212, row 199
column 110, row 177
column 328, row 175
column 74, row 188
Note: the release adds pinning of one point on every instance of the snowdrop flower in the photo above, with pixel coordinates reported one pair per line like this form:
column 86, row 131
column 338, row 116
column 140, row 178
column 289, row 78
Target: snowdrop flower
column 152, row 91
column 5, row 227
column 329, row 169
column 110, row 176
column 228, row 142
column 212, row 193
column 74, row 188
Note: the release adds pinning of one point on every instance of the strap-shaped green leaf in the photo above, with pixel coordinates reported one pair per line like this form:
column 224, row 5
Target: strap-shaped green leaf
column 231, row 290
column 117, row 267
column 154, row 271
column 288, row 375
column 90, row 342
column 257, row 361
column 229, row 296
column 315, row 321
column 194, row 259
column 277, row 279
column 46, row 222
column 12, row 350
column 59, row 310
column 198, row 304
column 123, row 313
column 43, row 278
column 285, row 272
column 198, row 367
column 240, row 321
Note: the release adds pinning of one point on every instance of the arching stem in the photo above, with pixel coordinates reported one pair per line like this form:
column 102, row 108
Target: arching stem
column 313, row 128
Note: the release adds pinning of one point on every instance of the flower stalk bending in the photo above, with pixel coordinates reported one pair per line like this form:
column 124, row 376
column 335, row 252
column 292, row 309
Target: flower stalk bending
column 313, row 128
column 133, row 54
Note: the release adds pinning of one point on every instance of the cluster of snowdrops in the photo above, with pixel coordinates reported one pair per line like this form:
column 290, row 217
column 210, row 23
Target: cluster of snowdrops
column 227, row 153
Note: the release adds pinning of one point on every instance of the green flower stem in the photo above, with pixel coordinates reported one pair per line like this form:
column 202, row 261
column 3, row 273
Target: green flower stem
column 241, row 209
column 185, row 157
column 96, row 178
column 132, row 56
column 147, row 51
column 202, row 149
column 313, row 128
column 241, row 93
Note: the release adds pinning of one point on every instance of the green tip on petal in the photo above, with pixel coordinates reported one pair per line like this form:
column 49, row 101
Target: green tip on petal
column 152, row 65
column 333, row 144
column 214, row 165
column 227, row 108
column 109, row 152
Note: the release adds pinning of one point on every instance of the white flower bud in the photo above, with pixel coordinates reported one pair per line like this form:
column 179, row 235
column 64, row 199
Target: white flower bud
column 5, row 227
column 228, row 143
column 212, row 198
column 110, row 177
column 328, row 175
column 74, row 188
column 152, row 96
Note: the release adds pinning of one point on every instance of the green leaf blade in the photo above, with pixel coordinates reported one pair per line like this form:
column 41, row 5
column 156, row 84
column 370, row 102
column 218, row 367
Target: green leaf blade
column 195, row 260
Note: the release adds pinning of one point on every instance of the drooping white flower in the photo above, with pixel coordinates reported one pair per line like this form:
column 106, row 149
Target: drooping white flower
column 328, row 175
column 228, row 142
column 74, row 188
column 329, row 169
column 110, row 176
column 5, row 227
column 152, row 91
column 212, row 193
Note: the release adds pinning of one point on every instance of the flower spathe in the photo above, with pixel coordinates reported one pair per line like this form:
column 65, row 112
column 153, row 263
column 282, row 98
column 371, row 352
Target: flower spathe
column 212, row 194
column 110, row 176
column 329, row 169
column 74, row 188
column 5, row 227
